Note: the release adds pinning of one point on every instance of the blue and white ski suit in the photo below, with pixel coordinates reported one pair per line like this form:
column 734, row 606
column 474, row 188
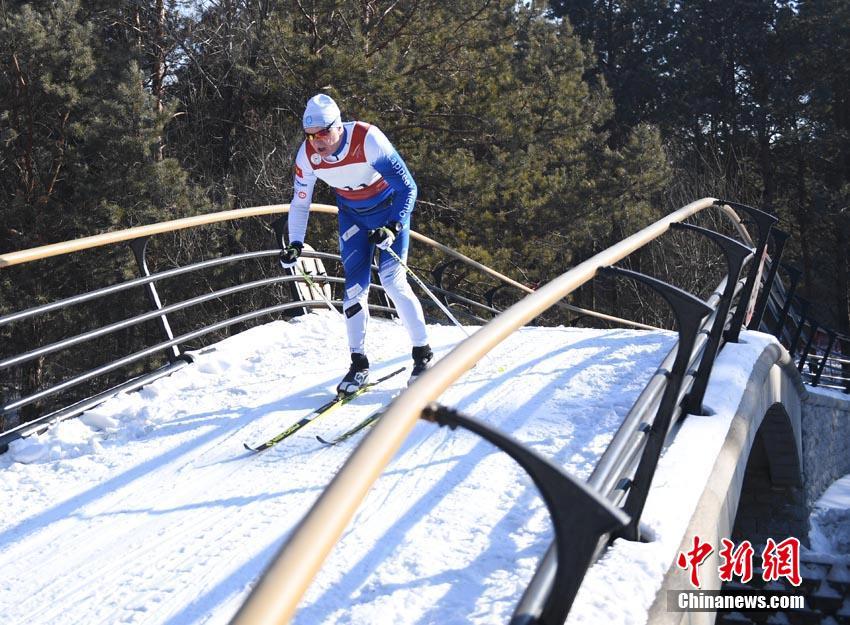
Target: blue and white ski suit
column 373, row 187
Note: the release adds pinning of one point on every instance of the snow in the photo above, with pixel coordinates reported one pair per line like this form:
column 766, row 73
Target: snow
column 147, row 509
column 830, row 520
column 635, row 570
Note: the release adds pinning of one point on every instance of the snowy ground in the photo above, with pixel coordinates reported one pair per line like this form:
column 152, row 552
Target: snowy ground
column 149, row 511
column 830, row 520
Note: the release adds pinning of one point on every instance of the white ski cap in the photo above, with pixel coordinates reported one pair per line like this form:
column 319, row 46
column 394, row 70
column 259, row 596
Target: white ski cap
column 321, row 111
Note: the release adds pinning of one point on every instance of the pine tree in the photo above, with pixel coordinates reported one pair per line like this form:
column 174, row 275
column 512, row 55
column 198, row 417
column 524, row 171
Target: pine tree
column 487, row 103
column 630, row 41
column 815, row 156
column 81, row 146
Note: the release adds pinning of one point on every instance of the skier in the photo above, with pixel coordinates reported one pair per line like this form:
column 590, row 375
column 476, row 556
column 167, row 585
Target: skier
column 375, row 195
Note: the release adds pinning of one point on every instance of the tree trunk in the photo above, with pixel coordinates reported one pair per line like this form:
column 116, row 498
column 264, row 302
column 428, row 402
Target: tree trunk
column 158, row 76
column 803, row 222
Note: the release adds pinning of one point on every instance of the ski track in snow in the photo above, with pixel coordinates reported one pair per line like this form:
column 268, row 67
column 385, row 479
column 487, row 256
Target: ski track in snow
column 163, row 518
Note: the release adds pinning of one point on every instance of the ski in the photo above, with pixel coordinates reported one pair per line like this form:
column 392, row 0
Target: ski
column 339, row 400
column 365, row 423
column 351, row 432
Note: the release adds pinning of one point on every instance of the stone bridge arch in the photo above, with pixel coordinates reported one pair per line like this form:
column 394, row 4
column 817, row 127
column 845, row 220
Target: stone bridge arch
column 763, row 445
column 772, row 502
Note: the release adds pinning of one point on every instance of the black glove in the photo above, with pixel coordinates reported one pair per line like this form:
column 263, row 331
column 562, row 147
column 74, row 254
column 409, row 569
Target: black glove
column 384, row 236
column 289, row 255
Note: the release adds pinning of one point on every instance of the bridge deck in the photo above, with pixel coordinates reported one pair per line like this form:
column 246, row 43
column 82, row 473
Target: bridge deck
column 153, row 512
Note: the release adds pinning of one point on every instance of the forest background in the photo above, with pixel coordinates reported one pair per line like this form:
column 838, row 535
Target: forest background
column 539, row 133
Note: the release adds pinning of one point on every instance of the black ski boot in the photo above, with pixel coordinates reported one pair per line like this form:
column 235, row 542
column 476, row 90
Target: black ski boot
column 357, row 376
column 422, row 356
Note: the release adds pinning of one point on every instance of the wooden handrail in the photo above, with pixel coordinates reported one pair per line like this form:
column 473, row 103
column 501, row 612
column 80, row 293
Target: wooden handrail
column 274, row 599
column 109, row 238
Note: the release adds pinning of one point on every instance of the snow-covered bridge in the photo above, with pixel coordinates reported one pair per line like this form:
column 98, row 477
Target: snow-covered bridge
column 147, row 509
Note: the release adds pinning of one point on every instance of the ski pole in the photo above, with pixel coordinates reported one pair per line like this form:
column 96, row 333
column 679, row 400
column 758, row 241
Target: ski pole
column 427, row 290
column 312, row 284
column 299, row 270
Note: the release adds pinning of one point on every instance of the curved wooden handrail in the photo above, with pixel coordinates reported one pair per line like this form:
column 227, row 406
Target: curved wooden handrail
column 109, row 238
column 275, row 597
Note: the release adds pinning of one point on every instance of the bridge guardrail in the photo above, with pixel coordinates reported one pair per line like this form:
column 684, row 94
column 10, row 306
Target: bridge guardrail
column 274, row 598
column 64, row 393
column 60, row 391
column 623, row 474
column 823, row 353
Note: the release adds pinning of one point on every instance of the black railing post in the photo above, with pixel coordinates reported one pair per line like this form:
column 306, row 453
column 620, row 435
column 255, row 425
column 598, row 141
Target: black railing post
column 3, row 425
column 438, row 271
column 736, row 254
column 580, row 515
column 139, row 247
column 845, row 366
column 794, row 276
column 779, row 239
column 437, row 275
column 804, row 311
column 825, row 355
column 689, row 312
column 764, row 222
column 804, row 356
column 490, row 295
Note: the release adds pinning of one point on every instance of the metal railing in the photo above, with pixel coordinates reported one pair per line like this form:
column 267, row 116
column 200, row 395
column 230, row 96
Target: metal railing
column 588, row 514
column 822, row 353
column 608, row 505
column 94, row 383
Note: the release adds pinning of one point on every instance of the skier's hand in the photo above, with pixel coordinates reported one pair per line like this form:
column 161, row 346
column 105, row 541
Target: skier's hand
column 289, row 255
column 384, row 236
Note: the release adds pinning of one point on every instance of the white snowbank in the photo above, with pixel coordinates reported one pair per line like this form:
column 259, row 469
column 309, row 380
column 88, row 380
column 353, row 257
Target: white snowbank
column 148, row 510
column 830, row 520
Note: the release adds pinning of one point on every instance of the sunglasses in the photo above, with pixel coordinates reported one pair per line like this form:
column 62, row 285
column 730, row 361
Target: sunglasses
column 321, row 134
